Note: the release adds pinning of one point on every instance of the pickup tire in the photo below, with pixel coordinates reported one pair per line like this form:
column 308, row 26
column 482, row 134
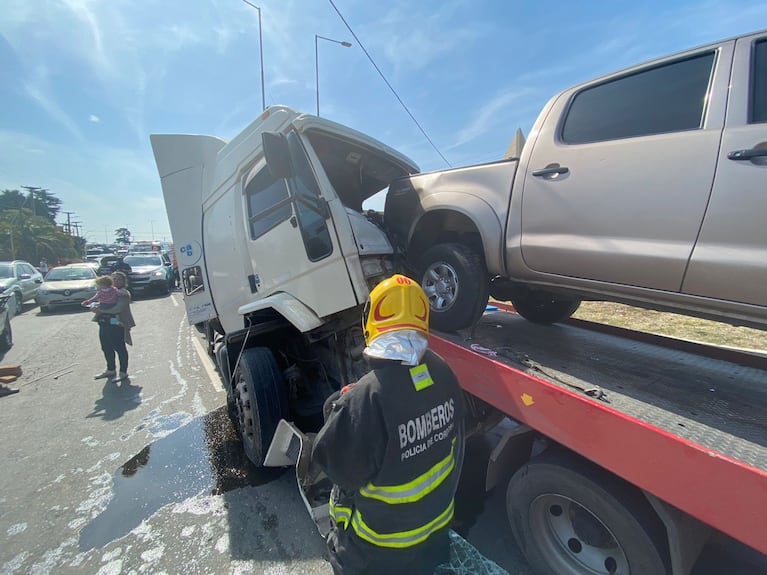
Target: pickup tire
column 455, row 281
column 260, row 401
column 543, row 307
column 572, row 518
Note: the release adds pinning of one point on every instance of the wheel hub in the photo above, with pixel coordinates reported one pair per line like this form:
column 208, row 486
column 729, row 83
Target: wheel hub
column 576, row 540
column 244, row 410
column 440, row 283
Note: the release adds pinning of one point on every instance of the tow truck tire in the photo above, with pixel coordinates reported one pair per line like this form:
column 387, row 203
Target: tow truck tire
column 543, row 307
column 570, row 517
column 455, row 281
column 260, row 401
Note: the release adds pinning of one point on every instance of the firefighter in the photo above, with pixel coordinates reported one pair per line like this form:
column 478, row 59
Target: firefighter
column 392, row 444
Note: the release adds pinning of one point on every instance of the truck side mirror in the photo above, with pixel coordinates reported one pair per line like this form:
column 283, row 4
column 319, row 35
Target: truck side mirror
column 277, row 154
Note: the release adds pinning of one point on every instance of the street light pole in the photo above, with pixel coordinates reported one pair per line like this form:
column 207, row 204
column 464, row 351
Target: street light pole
column 317, row 63
column 260, row 52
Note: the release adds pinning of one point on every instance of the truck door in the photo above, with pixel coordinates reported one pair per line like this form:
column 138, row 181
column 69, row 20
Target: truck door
column 730, row 258
column 620, row 173
column 292, row 243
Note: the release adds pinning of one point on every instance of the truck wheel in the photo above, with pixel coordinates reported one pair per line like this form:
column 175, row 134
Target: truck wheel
column 260, row 401
column 455, row 281
column 6, row 340
column 543, row 307
column 572, row 518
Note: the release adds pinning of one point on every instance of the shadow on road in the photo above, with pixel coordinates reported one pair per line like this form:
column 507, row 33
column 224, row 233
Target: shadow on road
column 116, row 400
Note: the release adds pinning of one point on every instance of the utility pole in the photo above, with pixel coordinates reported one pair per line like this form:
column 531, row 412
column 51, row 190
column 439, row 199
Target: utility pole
column 69, row 222
column 33, row 191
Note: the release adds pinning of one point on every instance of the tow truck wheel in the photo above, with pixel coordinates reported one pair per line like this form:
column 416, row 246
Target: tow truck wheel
column 572, row 518
column 260, row 401
column 455, row 281
column 543, row 307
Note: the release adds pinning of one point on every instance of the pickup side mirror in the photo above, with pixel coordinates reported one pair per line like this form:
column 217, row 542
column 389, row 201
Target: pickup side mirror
column 277, row 154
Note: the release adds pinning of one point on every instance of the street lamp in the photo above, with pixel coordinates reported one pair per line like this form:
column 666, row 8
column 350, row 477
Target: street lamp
column 317, row 63
column 260, row 52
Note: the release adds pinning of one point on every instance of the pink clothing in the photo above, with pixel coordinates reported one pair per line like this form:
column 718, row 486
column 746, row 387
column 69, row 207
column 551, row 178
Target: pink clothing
column 105, row 297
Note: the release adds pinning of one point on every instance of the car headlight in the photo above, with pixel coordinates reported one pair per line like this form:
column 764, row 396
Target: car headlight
column 91, row 288
column 42, row 291
column 159, row 273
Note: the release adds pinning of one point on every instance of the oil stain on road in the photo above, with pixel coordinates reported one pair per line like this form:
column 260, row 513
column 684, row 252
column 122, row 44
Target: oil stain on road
column 204, row 456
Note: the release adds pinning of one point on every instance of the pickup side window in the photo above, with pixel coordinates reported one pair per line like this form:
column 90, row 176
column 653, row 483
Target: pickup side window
column 666, row 98
column 759, row 84
column 268, row 203
column 311, row 208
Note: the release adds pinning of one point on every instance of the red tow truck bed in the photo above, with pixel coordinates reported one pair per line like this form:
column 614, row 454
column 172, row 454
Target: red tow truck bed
column 687, row 426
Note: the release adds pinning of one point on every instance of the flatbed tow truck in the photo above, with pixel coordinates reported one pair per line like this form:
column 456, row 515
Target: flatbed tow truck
column 625, row 450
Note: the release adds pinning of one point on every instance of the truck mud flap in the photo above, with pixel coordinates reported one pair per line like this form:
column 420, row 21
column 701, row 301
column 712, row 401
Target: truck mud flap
column 292, row 447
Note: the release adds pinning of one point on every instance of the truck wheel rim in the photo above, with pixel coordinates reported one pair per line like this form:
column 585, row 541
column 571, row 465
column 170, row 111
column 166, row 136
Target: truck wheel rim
column 573, row 539
column 244, row 411
column 440, row 283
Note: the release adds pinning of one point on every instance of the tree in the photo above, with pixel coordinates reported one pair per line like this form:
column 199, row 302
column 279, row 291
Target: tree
column 122, row 235
column 39, row 202
column 28, row 230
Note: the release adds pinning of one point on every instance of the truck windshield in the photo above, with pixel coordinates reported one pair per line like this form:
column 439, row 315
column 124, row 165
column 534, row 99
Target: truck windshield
column 6, row 271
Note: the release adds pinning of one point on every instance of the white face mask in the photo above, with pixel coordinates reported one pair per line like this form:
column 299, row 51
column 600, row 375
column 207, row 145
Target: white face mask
column 406, row 346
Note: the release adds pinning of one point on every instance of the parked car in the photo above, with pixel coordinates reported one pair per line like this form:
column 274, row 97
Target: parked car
column 21, row 280
column 150, row 271
column 6, row 335
column 68, row 285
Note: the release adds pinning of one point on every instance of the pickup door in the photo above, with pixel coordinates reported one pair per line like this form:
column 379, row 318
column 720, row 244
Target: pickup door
column 619, row 176
column 730, row 258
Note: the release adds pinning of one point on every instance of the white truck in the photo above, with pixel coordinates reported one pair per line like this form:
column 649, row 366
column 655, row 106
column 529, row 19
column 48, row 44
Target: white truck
column 277, row 260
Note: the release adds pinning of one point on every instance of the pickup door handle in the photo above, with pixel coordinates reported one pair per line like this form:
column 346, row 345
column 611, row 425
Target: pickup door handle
column 739, row 155
column 551, row 170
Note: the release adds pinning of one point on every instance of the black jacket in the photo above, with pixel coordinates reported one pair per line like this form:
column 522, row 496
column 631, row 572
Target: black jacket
column 392, row 448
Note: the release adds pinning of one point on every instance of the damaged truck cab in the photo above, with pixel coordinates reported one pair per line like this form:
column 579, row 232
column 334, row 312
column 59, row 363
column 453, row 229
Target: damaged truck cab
column 276, row 257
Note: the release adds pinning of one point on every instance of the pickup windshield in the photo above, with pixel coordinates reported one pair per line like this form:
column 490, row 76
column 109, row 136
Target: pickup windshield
column 6, row 271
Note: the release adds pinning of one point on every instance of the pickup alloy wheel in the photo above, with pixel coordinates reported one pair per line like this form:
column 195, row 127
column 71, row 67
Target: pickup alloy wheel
column 455, row 281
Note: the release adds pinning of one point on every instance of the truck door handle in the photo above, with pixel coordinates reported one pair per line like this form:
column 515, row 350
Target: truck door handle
column 553, row 169
column 740, row 155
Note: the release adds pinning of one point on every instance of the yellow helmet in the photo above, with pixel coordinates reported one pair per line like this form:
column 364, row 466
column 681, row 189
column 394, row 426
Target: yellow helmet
column 396, row 303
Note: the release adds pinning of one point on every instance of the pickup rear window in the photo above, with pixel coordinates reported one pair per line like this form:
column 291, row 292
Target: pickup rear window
column 667, row 98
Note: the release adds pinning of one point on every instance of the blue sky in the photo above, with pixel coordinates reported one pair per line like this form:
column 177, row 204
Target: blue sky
column 84, row 82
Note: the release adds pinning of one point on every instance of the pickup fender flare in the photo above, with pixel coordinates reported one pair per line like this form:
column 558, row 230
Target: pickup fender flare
column 299, row 315
column 482, row 215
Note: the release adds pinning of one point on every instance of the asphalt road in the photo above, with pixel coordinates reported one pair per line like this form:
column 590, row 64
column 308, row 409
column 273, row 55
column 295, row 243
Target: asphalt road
column 148, row 477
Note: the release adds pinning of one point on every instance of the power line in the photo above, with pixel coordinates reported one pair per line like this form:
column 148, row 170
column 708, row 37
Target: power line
column 387, row 83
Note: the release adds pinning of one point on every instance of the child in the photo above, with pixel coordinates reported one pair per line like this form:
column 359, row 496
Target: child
column 106, row 294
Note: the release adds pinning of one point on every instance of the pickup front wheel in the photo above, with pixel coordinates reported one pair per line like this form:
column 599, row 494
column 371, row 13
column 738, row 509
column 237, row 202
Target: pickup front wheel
column 455, row 281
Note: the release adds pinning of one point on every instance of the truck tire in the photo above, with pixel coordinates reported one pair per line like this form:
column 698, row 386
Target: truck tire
column 543, row 307
column 260, row 401
column 570, row 517
column 455, row 281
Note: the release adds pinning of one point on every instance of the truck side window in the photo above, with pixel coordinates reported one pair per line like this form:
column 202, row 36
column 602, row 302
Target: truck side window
column 311, row 208
column 759, row 84
column 667, row 98
column 268, row 203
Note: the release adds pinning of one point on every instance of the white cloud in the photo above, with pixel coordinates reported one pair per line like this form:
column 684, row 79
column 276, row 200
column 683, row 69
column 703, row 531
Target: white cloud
column 94, row 118
column 488, row 116
column 37, row 89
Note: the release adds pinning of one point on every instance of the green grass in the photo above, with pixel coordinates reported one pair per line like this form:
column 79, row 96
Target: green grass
column 674, row 325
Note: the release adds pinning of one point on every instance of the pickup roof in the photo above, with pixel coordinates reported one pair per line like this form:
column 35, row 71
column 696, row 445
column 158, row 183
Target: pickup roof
column 645, row 186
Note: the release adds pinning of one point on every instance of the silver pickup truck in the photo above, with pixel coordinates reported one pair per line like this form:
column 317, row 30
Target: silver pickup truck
column 647, row 186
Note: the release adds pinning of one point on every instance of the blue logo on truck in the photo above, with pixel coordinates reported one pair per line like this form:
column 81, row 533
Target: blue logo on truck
column 189, row 253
